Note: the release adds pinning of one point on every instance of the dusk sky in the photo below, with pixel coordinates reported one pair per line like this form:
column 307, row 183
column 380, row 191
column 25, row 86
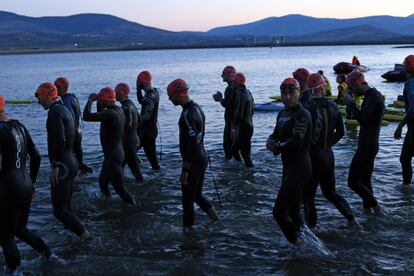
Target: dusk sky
column 199, row 15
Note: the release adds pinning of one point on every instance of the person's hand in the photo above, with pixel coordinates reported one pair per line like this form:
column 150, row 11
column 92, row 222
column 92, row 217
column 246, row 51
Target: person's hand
column 54, row 176
column 270, row 144
column 218, row 96
column 348, row 98
column 398, row 132
column 184, row 177
column 93, row 97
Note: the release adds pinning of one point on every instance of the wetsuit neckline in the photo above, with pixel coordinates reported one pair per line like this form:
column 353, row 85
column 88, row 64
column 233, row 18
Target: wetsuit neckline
column 187, row 104
column 55, row 103
column 293, row 108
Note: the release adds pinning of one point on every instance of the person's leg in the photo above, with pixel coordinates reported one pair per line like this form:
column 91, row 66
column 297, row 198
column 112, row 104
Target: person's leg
column 406, row 157
column 131, row 159
column 246, row 144
column 117, row 180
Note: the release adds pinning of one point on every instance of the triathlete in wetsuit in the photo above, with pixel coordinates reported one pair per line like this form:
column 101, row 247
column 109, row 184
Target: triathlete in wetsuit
column 16, row 190
column 228, row 103
column 302, row 75
column 369, row 118
column 60, row 137
column 242, row 123
column 328, row 129
column 192, row 129
column 112, row 120
column 149, row 115
column 132, row 121
column 407, row 150
column 72, row 103
column 291, row 138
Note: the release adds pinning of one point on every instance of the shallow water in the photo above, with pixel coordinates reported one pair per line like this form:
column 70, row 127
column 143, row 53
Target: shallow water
column 148, row 239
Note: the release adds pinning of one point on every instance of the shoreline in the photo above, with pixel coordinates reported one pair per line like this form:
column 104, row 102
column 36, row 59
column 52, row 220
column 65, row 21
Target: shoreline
column 188, row 47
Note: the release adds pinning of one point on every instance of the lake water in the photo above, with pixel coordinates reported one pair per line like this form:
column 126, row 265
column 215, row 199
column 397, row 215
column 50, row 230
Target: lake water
column 148, row 239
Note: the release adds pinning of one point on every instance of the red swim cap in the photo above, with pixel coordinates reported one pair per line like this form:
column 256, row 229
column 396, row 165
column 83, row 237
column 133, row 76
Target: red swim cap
column 62, row 84
column 46, row 91
column 239, row 78
column 144, row 77
column 355, row 78
column 301, row 74
column 178, row 88
column 107, row 94
column 229, row 70
column 2, row 104
column 409, row 64
column 315, row 81
column 291, row 84
column 122, row 88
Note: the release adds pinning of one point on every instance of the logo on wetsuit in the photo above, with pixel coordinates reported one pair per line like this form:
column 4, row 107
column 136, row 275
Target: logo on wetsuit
column 19, row 150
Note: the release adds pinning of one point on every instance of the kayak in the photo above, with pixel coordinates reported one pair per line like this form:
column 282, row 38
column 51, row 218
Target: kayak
column 350, row 122
column 346, row 68
column 278, row 98
column 397, row 104
column 389, row 115
column 396, row 75
column 270, row 106
column 20, row 102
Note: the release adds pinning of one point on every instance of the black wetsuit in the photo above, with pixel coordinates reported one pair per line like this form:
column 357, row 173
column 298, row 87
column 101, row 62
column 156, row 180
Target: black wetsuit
column 131, row 139
column 16, row 190
column 228, row 102
column 328, row 129
column 192, row 129
column 293, row 132
column 407, row 150
column 60, row 138
column 72, row 103
column 149, row 115
column 243, row 121
column 362, row 165
column 111, row 135
column 305, row 98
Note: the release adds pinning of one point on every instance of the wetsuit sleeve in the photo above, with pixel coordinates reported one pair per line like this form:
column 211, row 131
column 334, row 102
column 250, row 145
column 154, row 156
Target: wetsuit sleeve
column 128, row 116
column 300, row 127
column 225, row 102
column 364, row 114
column 139, row 96
column 240, row 109
column 192, row 135
column 148, row 106
column 1, row 158
column 95, row 117
column 56, row 136
column 339, row 128
column 76, row 109
column 275, row 134
column 34, row 156
column 409, row 102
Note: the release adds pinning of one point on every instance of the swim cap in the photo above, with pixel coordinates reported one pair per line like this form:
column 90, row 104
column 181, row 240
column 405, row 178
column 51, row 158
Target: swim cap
column 177, row 88
column 229, row 70
column 301, row 74
column 239, row 78
column 62, row 84
column 144, row 77
column 2, row 104
column 107, row 94
column 122, row 88
column 409, row 64
column 46, row 91
column 355, row 78
column 315, row 81
column 291, row 84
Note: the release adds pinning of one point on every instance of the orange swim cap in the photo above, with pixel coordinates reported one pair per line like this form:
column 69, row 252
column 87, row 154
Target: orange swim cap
column 107, row 94
column 144, row 77
column 62, row 84
column 2, row 104
column 178, row 87
column 122, row 88
column 46, row 91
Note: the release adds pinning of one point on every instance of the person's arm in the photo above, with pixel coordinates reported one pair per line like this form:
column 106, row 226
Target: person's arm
column 76, row 109
column 34, row 155
column 148, row 106
column 299, row 130
column 128, row 116
column 56, row 137
column 339, row 128
column 364, row 114
column 225, row 101
column 88, row 116
column 240, row 109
